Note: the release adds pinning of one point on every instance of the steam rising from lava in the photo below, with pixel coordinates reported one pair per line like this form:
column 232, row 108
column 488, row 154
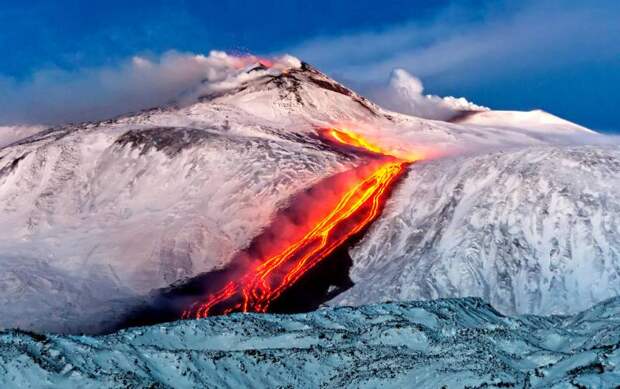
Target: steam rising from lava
column 318, row 222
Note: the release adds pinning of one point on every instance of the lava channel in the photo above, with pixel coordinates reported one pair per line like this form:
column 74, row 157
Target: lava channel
column 264, row 279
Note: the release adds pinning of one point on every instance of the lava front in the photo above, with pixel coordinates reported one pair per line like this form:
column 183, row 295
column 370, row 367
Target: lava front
column 265, row 279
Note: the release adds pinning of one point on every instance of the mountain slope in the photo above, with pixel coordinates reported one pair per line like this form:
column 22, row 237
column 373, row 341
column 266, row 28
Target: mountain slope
column 536, row 120
column 11, row 134
column 533, row 230
column 137, row 209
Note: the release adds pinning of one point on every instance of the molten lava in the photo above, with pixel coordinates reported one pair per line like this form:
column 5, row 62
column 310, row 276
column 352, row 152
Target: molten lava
column 350, row 138
column 265, row 279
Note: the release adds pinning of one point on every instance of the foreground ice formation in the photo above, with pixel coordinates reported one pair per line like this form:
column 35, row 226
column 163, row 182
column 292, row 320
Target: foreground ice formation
column 453, row 343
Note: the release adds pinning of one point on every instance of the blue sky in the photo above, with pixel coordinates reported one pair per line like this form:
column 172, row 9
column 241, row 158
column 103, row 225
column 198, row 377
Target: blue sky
column 561, row 56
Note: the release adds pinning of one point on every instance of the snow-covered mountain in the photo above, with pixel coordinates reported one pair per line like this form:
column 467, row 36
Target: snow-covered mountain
column 443, row 343
column 96, row 215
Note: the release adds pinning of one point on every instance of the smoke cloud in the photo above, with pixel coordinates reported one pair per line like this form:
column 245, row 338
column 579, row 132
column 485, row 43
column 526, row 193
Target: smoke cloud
column 404, row 94
column 57, row 96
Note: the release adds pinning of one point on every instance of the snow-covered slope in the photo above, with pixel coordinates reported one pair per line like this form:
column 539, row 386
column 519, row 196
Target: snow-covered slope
column 119, row 211
column 95, row 215
column 536, row 120
column 533, row 230
column 10, row 134
column 445, row 343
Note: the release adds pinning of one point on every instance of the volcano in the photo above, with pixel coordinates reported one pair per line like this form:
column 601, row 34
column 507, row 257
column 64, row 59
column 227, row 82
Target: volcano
column 99, row 217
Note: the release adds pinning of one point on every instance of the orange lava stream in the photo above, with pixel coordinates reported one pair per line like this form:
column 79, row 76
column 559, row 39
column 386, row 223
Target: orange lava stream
column 268, row 278
column 350, row 138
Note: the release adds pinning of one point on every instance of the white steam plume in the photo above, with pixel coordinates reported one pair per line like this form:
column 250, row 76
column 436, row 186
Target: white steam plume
column 404, row 93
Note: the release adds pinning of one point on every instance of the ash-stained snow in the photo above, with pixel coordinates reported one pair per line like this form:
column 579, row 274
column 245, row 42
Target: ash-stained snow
column 108, row 211
column 450, row 343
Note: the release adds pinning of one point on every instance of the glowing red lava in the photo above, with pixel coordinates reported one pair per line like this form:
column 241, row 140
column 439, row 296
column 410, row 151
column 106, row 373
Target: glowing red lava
column 267, row 278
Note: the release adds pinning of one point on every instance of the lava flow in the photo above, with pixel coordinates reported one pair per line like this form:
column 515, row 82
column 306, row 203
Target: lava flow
column 265, row 279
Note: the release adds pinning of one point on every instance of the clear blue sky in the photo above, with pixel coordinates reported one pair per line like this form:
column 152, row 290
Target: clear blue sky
column 563, row 57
